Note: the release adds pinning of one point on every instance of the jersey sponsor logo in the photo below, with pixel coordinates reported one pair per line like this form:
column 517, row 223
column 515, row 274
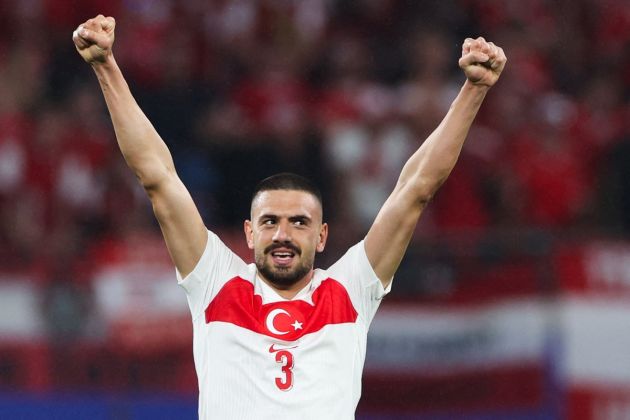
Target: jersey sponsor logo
column 236, row 303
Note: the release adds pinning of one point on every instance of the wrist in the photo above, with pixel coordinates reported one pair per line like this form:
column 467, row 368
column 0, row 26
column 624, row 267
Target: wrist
column 476, row 87
column 108, row 62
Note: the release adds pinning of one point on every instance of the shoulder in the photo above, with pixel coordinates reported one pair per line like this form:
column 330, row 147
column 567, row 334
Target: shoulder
column 217, row 261
column 355, row 257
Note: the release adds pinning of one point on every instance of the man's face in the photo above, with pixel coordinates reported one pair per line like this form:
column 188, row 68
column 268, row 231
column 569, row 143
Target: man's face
column 285, row 231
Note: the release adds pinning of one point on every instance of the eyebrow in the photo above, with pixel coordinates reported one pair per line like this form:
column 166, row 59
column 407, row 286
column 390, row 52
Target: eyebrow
column 267, row 216
column 297, row 217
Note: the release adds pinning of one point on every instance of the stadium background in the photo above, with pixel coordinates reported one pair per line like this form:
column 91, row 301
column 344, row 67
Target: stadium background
column 514, row 298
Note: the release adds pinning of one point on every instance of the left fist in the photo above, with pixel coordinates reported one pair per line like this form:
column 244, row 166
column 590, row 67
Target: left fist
column 482, row 61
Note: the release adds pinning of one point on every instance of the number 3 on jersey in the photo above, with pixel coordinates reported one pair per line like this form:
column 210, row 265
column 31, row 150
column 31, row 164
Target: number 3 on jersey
column 285, row 359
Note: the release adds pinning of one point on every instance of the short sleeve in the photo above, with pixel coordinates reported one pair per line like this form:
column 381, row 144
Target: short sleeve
column 217, row 265
column 355, row 272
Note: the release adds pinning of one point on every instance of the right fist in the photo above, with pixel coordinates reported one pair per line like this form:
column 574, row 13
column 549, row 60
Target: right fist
column 94, row 38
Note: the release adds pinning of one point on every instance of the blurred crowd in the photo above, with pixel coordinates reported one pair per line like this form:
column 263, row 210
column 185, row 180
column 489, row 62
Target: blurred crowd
column 342, row 91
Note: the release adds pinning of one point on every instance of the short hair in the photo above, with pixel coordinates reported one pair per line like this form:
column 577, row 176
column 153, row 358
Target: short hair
column 287, row 181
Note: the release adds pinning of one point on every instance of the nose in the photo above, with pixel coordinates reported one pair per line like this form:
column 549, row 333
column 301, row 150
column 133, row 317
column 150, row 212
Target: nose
column 282, row 233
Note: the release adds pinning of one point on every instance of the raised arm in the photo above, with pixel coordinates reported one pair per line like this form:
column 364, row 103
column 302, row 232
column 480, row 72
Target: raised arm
column 426, row 170
column 143, row 149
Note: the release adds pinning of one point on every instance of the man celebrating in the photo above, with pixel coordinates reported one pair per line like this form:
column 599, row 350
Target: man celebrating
column 279, row 339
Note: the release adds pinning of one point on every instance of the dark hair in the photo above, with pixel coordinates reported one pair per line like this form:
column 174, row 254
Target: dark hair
column 287, row 181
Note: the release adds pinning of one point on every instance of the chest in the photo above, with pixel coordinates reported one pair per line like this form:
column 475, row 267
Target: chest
column 281, row 345
column 237, row 304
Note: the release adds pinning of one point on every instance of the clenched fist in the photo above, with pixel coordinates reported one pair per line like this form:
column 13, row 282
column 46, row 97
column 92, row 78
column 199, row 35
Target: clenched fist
column 482, row 61
column 94, row 38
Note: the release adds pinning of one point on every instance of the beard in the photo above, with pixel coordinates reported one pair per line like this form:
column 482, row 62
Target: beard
column 283, row 277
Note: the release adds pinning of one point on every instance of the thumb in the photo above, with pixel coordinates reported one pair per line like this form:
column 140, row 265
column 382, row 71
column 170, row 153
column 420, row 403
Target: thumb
column 98, row 38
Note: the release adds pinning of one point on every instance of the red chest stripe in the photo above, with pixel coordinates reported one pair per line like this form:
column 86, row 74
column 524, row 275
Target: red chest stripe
column 237, row 304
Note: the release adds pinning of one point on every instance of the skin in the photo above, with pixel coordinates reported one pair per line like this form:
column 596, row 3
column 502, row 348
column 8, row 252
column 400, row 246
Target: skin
column 286, row 221
column 184, row 231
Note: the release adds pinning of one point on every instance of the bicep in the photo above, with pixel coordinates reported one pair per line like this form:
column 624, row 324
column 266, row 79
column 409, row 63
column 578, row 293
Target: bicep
column 182, row 227
column 391, row 232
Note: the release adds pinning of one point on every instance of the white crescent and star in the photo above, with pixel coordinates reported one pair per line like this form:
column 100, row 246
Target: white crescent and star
column 271, row 318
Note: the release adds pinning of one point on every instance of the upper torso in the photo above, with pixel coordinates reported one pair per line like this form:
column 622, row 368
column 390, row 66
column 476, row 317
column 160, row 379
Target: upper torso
column 258, row 355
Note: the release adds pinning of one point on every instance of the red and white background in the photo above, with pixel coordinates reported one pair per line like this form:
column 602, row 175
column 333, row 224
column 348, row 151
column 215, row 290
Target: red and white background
column 595, row 325
column 562, row 351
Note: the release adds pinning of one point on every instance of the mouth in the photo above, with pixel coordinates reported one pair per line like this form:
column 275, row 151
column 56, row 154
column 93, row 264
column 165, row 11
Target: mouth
column 283, row 256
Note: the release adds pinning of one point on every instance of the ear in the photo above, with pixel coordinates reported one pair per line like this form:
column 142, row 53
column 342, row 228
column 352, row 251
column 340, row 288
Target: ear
column 323, row 236
column 249, row 233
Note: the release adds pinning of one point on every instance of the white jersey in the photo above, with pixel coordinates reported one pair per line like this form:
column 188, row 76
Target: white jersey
column 261, row 356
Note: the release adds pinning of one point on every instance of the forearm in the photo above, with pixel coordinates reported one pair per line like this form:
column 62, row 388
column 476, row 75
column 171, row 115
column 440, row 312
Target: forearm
column 432, row 163
column 143, row 149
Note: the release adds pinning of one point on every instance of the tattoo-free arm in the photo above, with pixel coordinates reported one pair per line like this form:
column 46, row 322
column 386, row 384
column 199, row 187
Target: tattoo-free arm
column 428, row 168
column 143, row 149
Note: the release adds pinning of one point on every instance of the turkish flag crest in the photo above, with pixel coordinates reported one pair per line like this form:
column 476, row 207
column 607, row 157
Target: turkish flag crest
column 284, row 321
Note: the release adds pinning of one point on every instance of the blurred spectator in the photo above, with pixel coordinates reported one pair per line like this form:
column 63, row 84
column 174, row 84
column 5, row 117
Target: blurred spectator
column 340, row 91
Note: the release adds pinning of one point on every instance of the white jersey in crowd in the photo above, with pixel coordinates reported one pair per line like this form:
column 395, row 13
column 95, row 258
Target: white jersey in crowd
column 260, row 356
